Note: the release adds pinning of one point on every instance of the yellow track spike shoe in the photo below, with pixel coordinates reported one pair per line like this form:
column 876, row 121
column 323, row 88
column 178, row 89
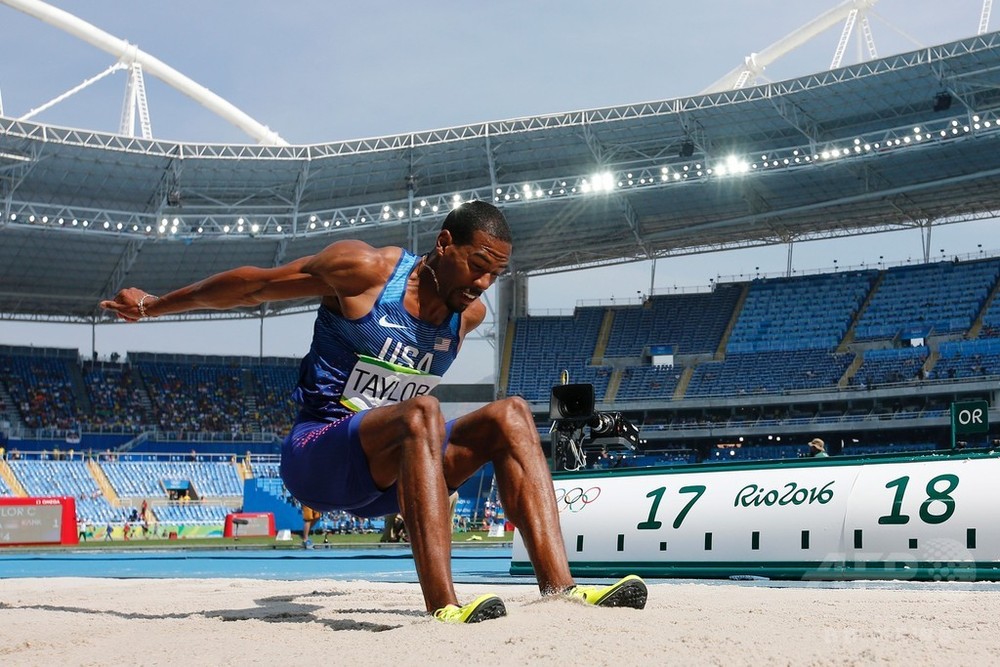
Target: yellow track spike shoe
column 628, row 592
column 483, row 608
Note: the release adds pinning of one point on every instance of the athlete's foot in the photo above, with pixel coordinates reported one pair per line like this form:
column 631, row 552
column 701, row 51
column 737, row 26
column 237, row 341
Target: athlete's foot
column 628, row 592
column 483, row 608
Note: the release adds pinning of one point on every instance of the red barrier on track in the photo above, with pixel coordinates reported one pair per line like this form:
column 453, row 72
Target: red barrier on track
column 249, row 524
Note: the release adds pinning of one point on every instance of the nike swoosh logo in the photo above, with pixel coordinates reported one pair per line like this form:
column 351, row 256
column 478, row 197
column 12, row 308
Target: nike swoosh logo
column 384, row 322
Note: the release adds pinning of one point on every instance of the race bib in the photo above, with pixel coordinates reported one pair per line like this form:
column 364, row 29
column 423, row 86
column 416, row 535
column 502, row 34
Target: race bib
column 373, row 383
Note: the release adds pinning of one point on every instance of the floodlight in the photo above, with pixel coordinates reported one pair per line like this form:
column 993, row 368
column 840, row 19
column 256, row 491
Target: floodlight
column 603, row 182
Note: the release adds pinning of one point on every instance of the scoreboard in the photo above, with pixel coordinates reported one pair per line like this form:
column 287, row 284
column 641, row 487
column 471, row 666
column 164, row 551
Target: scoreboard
column 38, row 521
column 918, row 517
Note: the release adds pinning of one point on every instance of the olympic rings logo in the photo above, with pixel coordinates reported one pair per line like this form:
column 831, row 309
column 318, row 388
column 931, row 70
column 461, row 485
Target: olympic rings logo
column 576, row 499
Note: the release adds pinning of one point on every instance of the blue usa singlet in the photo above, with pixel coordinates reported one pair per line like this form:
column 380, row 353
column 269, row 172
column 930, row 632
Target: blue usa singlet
column 386, row 356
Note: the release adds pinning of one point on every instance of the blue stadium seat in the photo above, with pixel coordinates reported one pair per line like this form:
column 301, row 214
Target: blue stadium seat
column 939, row 298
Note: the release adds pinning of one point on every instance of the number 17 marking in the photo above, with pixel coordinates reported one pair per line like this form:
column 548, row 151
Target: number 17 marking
column 657, row 495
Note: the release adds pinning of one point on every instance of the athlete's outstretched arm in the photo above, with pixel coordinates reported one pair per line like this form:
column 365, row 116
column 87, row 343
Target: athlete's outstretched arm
column 346, row 264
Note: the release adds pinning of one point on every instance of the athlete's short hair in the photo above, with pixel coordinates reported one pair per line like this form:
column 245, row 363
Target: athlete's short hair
column 473, row 216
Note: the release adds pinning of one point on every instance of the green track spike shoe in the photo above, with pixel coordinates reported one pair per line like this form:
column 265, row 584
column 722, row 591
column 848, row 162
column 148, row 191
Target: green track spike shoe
column 628, row 592
column 483, row 608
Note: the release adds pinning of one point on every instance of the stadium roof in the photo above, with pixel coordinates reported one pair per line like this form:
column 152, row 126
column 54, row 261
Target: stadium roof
column 894, row 143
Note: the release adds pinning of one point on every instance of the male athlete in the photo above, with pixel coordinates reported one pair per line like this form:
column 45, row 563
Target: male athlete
column 369, row 438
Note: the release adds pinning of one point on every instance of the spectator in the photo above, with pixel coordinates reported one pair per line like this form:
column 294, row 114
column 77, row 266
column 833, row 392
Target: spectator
column 309, row 517
column 817, row 449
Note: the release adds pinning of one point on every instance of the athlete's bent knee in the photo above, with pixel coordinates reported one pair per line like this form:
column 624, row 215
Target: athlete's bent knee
column 514, row 415
column 422, row 417
column 518, row 407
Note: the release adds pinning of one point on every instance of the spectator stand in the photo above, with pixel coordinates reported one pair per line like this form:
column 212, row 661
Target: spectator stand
column 194, row 496
column 545, row 346
column 118, row 397
column 940, row 298
column 40, row 384
column 56, row 477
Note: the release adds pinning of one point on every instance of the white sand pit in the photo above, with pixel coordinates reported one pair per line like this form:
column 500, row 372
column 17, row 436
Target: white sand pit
column 77, row 621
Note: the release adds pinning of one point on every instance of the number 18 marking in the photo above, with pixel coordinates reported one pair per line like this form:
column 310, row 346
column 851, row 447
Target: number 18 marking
column 657, row 495
column 934, row 495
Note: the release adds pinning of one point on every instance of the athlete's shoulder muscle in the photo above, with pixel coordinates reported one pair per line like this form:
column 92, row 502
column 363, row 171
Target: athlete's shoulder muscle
column 353, row 267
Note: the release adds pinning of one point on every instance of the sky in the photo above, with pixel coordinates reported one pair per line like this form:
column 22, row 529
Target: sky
column 317, row 71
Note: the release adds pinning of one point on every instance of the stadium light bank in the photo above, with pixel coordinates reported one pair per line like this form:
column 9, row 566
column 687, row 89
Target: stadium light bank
column 693, row 169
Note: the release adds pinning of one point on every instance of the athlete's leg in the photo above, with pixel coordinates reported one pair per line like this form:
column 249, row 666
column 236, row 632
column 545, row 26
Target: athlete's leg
column 504, row 432
column 403, row 444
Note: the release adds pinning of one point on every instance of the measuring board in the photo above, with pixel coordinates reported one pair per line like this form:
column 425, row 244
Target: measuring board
column 917, row 517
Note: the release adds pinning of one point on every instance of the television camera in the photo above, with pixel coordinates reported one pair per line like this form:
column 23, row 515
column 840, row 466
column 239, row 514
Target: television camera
column 578, row 429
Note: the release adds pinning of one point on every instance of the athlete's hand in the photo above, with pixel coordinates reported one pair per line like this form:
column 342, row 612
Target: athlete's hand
column 126, row 304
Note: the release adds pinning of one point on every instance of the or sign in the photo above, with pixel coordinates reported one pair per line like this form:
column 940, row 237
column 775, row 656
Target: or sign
column 970, row 417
